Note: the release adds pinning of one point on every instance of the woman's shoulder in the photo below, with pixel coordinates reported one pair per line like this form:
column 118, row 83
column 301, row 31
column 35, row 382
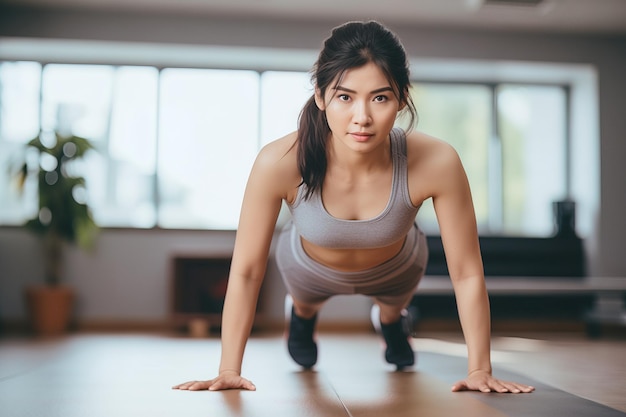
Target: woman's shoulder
column 277, row 162
column 281, row 151
column 424, row 149
column 433, row 166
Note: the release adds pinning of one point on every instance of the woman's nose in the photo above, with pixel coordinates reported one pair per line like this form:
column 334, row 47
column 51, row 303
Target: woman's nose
column 362, row 115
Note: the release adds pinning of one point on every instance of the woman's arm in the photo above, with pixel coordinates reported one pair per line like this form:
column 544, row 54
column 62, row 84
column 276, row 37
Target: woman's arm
column 265, row 190
column 454, row 208
column 455, row 214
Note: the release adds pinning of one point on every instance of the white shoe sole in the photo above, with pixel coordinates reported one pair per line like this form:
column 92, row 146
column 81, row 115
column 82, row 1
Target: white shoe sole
column 375, row 318
column 288, row 307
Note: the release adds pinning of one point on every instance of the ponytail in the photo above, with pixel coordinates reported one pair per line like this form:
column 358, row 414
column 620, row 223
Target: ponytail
column 312, row 137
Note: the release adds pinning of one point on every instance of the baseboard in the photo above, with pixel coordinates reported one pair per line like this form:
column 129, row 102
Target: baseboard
column 123, row 326
column 503, row 326
column 21, row 327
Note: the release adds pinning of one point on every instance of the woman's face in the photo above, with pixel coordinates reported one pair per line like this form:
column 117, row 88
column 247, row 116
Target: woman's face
column 361, row 108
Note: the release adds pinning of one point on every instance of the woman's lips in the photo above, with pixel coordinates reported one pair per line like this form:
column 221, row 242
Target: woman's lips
column 361, row 136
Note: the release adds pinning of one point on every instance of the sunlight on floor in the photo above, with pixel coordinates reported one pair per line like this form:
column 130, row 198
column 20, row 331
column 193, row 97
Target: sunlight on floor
column 503, row 347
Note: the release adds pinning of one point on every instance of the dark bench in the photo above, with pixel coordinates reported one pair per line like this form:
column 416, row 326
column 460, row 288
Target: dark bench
column 519, row 256
column 602, row 297
column 529, row 278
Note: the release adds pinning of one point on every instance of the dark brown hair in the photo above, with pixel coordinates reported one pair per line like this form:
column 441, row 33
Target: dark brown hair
column 350, row 45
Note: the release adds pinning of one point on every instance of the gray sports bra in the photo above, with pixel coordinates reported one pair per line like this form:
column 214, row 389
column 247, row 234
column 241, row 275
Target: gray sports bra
column 316, row 225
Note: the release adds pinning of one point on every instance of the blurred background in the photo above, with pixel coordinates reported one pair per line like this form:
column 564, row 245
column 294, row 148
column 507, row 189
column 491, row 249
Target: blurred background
column 178, row 96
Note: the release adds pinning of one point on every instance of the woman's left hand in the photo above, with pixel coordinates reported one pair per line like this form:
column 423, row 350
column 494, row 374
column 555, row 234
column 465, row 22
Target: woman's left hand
column 484, row 382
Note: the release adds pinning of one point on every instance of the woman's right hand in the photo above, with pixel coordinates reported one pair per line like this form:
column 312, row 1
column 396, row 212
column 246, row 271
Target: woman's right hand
column 226, row 380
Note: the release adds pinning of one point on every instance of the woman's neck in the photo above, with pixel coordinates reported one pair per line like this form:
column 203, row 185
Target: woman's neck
column 343, row 159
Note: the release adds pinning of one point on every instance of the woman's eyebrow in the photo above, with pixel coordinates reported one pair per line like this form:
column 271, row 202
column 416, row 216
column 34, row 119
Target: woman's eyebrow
column 378, row 90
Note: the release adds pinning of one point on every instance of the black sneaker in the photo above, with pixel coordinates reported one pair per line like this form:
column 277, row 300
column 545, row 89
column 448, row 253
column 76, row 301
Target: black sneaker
column 300, row 343
column 398, row 351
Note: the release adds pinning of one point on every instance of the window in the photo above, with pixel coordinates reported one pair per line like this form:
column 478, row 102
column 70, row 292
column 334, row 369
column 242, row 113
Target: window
column 175, row 145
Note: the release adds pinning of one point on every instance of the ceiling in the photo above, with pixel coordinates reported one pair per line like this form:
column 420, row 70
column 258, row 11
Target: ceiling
column 566, row 16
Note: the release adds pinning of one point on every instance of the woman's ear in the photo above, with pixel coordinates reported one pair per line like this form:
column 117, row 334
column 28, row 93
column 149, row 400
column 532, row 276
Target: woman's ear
column 319, row 100
column 405, row 102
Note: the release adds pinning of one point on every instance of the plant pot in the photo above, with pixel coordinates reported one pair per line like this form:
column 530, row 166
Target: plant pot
column 49, row 309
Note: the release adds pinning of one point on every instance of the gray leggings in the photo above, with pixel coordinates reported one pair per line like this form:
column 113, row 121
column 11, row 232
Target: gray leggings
column 391, row 283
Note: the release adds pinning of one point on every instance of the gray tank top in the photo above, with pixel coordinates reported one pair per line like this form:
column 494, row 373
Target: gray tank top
column 317, row 226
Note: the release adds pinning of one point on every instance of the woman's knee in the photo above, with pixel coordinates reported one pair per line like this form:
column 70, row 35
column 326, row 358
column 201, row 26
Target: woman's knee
column 306, row 309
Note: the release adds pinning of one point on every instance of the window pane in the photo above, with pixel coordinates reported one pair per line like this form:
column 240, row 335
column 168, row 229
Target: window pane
column 115, row 108
column 128, row 199
column 459, row 114
column 76, row 100
column 532, row 125
column 208, row 139
column 19, row 123
column 283, row 95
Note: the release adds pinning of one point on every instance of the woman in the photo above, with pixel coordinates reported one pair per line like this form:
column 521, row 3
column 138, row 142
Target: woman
column 354, row 184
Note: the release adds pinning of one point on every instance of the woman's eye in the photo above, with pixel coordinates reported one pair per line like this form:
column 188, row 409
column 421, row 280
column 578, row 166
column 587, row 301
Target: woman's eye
column 380, row 99
column 343, row 97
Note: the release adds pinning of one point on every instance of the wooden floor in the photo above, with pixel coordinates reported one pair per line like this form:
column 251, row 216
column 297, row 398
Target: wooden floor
column 132, row 374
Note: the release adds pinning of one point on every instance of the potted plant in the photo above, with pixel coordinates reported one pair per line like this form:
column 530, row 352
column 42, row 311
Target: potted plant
column 62, row 218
